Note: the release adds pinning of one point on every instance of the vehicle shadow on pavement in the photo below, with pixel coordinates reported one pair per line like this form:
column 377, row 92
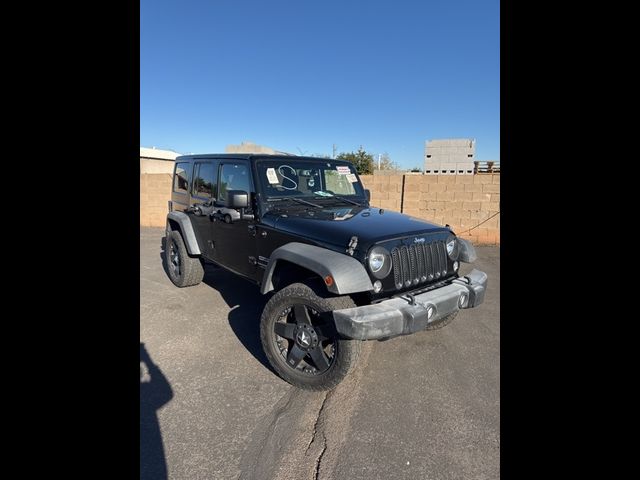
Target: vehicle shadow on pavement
column 155, row 392
column 246, row 304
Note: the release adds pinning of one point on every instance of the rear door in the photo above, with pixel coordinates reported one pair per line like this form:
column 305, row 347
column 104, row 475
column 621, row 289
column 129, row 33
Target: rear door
column 203, row 193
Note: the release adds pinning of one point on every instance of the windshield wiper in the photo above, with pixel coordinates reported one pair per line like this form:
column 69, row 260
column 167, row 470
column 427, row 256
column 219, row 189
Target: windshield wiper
column 294, row 199
column 343, row 199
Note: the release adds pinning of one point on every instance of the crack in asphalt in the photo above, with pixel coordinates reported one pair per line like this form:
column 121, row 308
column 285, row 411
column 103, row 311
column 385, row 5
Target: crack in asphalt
column 315, row 424
column 334, row 417
column 316, row 470
column 278, row 435
column 263, row 439
column 303, row 434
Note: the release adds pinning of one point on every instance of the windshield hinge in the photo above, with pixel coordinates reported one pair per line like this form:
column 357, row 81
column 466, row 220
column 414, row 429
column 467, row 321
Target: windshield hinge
column 353, row 243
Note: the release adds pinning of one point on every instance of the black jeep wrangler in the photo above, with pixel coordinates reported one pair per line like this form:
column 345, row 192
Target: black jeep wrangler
column 337, row 270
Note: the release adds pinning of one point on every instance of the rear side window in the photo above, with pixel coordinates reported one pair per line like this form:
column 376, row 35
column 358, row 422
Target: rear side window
column 205, row 180
column 181, row 178
column 234, row 176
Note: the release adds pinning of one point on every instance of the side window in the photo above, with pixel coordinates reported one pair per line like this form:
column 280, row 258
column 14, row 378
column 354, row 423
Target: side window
column 234, row 176
column 205, row 180
column 181, row 178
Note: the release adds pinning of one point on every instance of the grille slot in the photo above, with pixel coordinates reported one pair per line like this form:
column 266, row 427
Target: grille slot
column 419, row 263
column 395, row 259
column 404, row 265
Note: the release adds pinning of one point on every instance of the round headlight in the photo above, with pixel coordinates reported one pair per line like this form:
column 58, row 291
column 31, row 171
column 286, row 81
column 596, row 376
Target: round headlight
column 452, row 247
column 379, row 262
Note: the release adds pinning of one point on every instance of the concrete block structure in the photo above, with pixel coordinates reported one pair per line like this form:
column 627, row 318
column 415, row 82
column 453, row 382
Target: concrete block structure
column 469, row 203
column 452, row 156
column 156, row 170
column 249, row 147
column 154, row 160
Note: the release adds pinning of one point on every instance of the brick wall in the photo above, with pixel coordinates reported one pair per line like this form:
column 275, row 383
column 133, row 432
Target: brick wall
column 462, row 201
column 155, row 192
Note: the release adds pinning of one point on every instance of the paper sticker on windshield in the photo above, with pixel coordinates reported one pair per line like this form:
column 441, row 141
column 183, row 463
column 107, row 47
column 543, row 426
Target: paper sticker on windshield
column 351, row 178
column 343, row 170
column 271, row 176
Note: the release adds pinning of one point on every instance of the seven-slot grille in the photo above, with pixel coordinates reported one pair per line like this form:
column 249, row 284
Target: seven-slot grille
column 418, row 263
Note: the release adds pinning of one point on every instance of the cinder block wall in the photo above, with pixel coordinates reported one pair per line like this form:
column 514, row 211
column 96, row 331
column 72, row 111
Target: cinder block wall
column 155, row 193
column 462, row 201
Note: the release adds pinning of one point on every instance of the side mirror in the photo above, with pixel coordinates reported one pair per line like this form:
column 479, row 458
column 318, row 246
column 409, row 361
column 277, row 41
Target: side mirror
column 367, row 193
column 237, row 199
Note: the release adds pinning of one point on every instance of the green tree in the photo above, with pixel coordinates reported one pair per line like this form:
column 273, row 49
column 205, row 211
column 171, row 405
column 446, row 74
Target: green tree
column 362, row 160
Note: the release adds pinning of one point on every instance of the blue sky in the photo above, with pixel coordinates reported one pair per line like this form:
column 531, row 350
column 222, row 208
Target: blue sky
column 302, row 75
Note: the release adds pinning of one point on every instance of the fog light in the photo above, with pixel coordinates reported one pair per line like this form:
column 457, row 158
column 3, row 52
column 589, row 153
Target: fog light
column 377, row 286
column 462, row 302
column 430, row 311
column 455, row 266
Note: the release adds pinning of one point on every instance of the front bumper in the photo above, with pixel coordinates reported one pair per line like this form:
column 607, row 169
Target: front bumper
column 410, row 313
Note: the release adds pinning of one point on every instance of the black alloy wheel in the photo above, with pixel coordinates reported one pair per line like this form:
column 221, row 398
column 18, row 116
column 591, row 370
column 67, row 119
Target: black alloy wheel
column 305, row 342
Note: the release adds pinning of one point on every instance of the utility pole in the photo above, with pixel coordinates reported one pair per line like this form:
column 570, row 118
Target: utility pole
column 334, row 151
column 379, row 155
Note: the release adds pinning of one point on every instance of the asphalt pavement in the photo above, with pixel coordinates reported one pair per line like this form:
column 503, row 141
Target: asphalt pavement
column 421, row 406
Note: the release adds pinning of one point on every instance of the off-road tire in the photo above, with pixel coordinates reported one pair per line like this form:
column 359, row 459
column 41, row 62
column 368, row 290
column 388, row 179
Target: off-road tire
column 443, row 322
column 346, row 351
column 190, row 271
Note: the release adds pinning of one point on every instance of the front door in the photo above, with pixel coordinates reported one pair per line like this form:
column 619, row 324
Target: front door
column 234, row 239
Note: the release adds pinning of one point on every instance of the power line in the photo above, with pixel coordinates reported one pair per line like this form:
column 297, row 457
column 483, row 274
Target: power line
column 486, row 220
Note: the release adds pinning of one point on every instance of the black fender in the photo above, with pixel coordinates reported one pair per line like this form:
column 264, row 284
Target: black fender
column 349, row 275
column 188, row 234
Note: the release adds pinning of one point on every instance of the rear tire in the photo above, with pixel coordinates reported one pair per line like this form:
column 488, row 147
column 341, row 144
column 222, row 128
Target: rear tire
column 323, row 362
column 183, row 270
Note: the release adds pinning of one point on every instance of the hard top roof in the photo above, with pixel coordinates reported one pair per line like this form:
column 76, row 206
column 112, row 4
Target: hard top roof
column 254, row 156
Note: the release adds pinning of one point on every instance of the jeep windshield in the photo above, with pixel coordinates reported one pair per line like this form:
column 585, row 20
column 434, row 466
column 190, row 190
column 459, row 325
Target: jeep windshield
column 318, row 180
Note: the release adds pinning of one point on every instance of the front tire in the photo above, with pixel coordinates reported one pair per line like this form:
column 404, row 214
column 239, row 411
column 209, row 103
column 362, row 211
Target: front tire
column 301, row 344
column 183, row 270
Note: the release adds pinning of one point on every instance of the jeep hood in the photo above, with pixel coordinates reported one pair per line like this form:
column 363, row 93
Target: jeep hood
column 336, row 225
